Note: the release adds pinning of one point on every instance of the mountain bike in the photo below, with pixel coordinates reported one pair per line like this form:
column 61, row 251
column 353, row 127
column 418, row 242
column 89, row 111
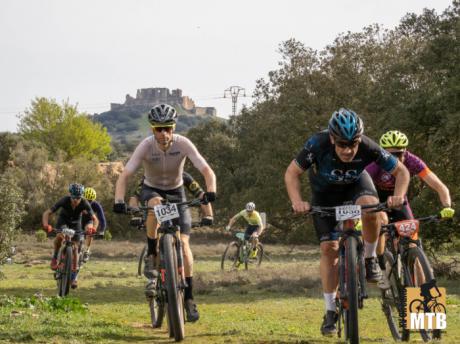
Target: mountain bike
column 352, row 280
column 241, row 251
column 63, row 273
column 406, row 265
column 139, row 222
column 168, row 297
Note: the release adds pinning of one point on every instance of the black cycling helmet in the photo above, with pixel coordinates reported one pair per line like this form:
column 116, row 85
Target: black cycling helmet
column 345, row 124
column 162, row 114
column 76, row 190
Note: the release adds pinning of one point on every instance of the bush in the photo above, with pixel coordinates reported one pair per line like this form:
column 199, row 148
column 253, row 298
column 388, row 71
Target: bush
column 11, row 213
column 107, row 235
column 40, row 235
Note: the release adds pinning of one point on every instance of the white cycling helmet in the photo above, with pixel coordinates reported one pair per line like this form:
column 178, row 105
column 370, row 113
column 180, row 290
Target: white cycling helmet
column 162, row 114
column 250, row 206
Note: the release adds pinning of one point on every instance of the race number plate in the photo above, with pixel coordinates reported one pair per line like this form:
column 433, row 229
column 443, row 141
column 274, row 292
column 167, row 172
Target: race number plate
column 407, row 228
column 165, row 212
column 348, row 212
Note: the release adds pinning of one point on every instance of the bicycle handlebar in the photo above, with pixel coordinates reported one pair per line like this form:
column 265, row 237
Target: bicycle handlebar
column 431, row 218
column 330, row 211
column 192, row 203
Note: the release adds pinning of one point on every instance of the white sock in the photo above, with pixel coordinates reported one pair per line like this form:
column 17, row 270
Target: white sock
column 329, row 301
column 370, row 249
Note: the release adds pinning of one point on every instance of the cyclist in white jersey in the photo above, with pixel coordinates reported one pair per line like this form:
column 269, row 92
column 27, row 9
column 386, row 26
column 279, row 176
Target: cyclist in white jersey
column 163, row 157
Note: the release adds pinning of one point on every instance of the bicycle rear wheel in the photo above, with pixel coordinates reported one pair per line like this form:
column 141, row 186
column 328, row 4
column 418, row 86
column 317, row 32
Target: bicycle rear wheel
column 393, row 298
column 64, row 271
column 230, row 258
column 157, row 310
column 174, row 292
column 140, row 264
column 420, row 272
column 351, row 283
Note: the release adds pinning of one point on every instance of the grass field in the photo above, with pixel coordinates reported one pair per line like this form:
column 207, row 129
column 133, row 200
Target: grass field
column 279, row 303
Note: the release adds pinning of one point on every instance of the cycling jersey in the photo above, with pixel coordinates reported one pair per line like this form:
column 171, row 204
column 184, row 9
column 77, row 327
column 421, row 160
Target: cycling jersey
column 253, row 219
column 163, row 169
column 329, row 173
column 384, row 181
column 71, row 217
column 97, row 209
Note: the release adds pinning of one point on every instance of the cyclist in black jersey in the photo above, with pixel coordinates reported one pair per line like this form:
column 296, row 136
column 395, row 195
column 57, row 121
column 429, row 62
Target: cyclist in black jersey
column 336, row 159
column 72, row 208
column 207, row 218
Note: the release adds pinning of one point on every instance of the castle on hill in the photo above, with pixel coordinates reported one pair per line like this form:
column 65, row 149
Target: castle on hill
column 148, row 97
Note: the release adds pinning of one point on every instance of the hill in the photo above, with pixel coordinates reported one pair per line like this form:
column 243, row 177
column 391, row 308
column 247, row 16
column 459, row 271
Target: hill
column 127, row 122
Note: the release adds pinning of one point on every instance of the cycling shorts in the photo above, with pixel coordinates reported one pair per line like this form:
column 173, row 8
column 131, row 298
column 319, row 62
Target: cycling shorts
column 249, row 230
column 325, row 226
column 175, row 195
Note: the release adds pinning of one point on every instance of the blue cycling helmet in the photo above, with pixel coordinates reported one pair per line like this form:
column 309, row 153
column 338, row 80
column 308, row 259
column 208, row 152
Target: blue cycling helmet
column 76, row 190
column 345, row 124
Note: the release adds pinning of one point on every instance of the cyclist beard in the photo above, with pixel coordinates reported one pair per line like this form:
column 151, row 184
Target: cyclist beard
column 164, row 142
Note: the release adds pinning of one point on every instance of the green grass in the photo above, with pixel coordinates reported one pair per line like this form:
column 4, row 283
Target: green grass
column 280, row 302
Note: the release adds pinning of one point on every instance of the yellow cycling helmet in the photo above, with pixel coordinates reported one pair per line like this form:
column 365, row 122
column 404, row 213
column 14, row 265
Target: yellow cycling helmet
column 90, row 194
column 394, row 139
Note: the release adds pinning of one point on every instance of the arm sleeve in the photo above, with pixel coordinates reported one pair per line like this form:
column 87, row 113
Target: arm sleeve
column 307, row 155
column 58, row 204
column 100, row 215
column 135, row 161
column 415, row 165
column 195, row 157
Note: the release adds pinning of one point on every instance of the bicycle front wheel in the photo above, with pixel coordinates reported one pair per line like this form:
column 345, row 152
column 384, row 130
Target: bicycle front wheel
column 64, row 271
column 351, row 283
column 393, row 298
column 420, row 272
column 230, row 258
column 254, row 258
column 173, row 290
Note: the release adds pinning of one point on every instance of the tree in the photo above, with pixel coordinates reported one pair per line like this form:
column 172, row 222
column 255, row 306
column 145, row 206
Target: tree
column 63, row 128
column 11, row 213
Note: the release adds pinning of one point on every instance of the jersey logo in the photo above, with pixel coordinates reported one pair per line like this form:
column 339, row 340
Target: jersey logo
column 193, row 186
column 343, row 176
column 174, row 153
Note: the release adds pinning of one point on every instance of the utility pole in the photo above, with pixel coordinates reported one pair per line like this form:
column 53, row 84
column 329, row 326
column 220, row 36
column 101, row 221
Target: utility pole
column 234, row 92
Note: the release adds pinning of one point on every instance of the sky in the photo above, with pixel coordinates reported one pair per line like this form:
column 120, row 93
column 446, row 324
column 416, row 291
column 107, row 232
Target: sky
column 94, row 52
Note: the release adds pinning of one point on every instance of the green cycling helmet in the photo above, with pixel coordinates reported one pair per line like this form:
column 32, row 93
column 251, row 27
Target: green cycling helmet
column 394, row 139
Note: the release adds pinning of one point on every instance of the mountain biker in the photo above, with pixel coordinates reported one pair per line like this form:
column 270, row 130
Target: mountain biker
column 396, row 143
column 255, row 225
column 163, row 156
column 336, row 159
column 207, row 218
column 90, row 196
column 70, row 216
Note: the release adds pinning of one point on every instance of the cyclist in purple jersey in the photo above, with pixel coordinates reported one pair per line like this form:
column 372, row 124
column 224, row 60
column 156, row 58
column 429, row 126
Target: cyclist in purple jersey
column 336, row 161
column 396, row 142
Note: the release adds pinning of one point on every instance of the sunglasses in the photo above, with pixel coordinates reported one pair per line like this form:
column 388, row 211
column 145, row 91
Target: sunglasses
column 75, row 198
column 161, row 129
column 347, row 144
column 397, row 154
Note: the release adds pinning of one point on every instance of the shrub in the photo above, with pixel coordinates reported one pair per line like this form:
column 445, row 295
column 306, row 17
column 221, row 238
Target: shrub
column 40, row 235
